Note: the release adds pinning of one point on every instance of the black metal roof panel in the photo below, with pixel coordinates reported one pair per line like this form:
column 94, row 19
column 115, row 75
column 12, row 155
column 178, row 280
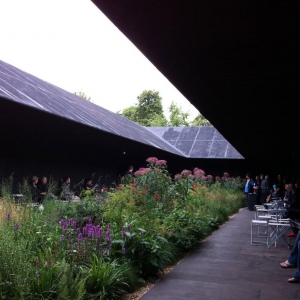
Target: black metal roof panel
column 196, row 142
column 26, row 89
column 191, row 142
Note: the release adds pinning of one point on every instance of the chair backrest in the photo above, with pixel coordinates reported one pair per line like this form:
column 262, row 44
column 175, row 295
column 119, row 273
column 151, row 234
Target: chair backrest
column 295, row 224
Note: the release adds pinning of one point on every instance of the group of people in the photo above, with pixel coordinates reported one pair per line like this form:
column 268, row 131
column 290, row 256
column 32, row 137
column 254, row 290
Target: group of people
column 39, row 188
column 290, row 194
column 263, row 189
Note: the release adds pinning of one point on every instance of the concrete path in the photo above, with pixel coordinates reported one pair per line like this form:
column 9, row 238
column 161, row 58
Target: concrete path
column 226, row 266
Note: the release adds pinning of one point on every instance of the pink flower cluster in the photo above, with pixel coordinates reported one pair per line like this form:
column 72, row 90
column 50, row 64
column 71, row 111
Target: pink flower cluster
column 186, row 173
column 151, row 160
column 209, row 177
column 161, row 162
column 198, row 173
column 141, row 171
column 177, row 176
column 226, row 174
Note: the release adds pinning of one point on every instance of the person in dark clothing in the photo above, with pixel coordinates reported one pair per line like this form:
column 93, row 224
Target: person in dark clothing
column 34, row 188
column 130, row 172
column 43, row 189
column 88, row 189
column 248, row 186
column 257, row 189
column 65, row 190
column 265, row 189
column 88, row 184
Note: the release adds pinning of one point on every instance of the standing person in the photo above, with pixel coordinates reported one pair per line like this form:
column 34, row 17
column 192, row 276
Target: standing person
column 257, row 189
column 265, row 189
column 248, row 186
column 34, row 188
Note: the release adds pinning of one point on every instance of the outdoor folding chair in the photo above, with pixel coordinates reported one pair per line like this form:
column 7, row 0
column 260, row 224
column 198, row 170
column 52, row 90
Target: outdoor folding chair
column 276, row 230
column 260, row 238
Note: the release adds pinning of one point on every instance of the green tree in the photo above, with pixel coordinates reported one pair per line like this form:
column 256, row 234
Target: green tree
column 149, row 109
column 83, row 95
column 177, row 116
column 200, row 121
column 129, row 113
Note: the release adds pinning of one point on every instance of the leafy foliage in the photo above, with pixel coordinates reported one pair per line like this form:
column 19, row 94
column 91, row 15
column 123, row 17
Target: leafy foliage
column 177, row 116
column 200, row 121
column 101, row 249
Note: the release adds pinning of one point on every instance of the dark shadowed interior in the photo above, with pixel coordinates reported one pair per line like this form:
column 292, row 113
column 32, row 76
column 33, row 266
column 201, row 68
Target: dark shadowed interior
column 236, row 61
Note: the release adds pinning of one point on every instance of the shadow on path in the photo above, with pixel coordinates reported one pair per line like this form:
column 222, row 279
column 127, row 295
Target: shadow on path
column 226, row 266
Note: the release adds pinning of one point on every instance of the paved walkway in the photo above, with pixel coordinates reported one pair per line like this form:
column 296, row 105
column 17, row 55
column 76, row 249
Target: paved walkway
column 226, row 266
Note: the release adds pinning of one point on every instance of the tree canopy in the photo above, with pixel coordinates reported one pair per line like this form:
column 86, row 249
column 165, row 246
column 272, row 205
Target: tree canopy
column 149, row 112
column 200, row 121
column 177, row 116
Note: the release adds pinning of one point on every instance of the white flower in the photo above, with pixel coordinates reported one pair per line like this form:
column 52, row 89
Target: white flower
column 41, row 208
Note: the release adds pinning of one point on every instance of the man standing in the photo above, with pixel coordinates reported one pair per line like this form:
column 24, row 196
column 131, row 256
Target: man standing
column 265, row 189
column 248, row 187
column 257, row 188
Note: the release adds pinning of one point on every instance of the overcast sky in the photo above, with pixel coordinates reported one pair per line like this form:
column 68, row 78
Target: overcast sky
column 71, row 43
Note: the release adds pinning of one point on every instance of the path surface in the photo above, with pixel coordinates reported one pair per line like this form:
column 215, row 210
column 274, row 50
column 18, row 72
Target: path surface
column 226, row 266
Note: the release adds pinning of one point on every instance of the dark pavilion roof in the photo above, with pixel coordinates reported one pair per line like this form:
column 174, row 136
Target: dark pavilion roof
column 28, row 90
column 237, row 62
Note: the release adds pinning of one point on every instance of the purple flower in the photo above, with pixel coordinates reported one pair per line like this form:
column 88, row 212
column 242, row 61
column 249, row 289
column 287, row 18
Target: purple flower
column 8, row 216
column 79, row 237
column 90, row 233
column 74, row 224
column 107, row 234
column 84, row 230
column 78, row 230
column 109, row 226
column 90, row 221
column 16, row 227
column 142, row 233
column 38, row 275
column 123, row 251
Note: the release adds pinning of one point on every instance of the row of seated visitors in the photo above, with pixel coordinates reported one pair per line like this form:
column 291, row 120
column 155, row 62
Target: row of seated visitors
column 39, row 189
column 287, row 191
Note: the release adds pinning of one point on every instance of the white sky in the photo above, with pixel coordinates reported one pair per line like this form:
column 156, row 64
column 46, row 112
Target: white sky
column 71, row 43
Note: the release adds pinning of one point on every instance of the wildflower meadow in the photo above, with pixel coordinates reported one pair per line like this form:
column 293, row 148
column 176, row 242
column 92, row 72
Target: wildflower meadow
column 104, row 247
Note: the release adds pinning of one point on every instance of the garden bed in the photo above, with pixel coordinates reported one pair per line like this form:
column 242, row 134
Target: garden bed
column 146, row 226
